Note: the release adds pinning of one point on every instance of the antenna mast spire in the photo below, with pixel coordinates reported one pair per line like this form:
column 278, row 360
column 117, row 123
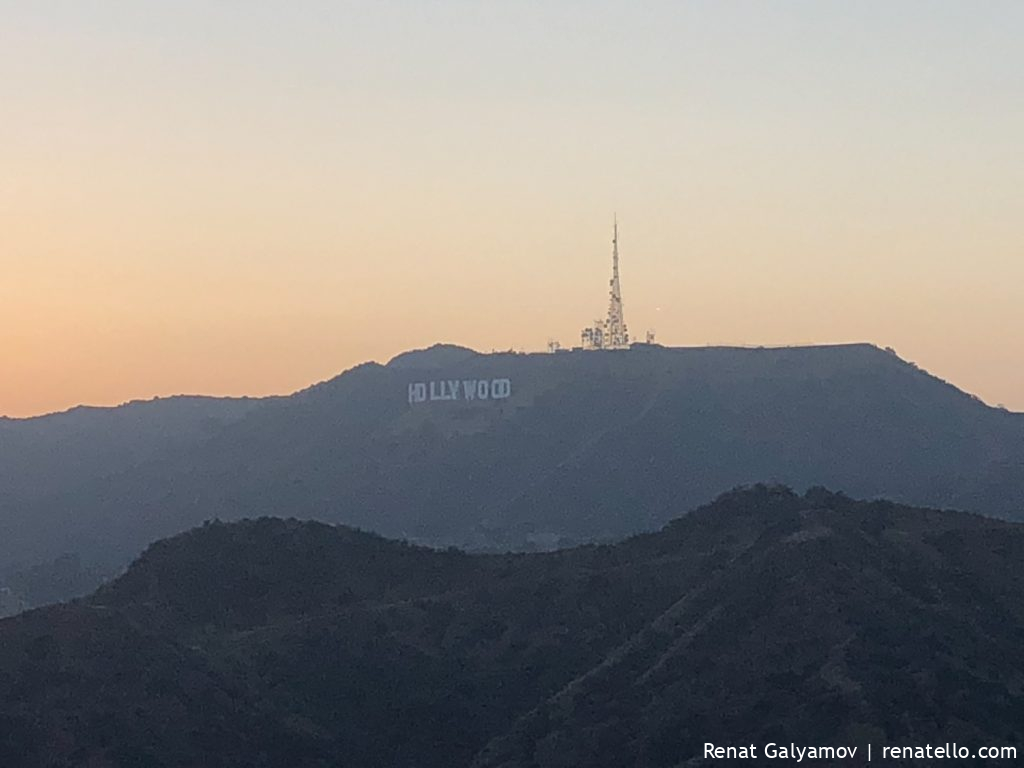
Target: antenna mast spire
column 610, row 333
column 616, row 334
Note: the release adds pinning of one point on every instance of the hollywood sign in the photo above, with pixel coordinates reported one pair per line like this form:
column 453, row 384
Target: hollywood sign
column 459, row 389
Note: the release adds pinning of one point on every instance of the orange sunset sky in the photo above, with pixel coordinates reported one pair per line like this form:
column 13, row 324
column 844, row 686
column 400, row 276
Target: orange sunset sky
column 245, row 198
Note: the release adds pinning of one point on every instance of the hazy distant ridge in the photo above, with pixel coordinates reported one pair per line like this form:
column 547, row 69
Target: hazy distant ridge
column 590, row 445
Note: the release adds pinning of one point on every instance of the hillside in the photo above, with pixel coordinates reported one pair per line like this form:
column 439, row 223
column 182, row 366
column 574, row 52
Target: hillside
column 65, row 450
column 585, row 447
column 765, row 615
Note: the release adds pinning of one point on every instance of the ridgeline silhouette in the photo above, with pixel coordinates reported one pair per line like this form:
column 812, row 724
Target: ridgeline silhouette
column 590, row 446
column 766, row 616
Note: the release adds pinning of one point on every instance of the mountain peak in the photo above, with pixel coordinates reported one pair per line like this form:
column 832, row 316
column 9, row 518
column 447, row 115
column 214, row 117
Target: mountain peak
column 435, row 356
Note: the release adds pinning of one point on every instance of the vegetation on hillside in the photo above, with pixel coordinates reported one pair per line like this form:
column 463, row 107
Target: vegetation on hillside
column 765, row 615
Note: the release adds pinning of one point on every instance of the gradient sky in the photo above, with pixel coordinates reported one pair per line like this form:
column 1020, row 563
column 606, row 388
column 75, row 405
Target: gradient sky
column 247, row 197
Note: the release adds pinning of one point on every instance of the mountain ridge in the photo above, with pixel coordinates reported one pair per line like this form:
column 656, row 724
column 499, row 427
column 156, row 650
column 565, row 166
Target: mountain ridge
column 765, row 615
column 587, row 446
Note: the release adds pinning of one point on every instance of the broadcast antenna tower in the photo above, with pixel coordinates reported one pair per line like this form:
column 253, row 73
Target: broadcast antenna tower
column 616, row 334
column 611, row 332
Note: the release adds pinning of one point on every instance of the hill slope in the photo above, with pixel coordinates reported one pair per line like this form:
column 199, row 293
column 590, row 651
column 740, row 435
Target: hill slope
column 588, row 446
column 764, row 616
column 44, row 454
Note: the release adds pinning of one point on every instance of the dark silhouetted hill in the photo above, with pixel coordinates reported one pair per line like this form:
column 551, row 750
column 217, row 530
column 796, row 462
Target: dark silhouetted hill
column 42, row 454
column 46, row 462
column 588, row 447
column 766, row 615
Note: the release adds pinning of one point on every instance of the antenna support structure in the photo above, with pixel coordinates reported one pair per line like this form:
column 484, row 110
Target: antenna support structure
column 610, row 333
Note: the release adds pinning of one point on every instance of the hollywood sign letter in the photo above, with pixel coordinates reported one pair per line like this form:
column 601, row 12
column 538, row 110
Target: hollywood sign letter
column 459, row 389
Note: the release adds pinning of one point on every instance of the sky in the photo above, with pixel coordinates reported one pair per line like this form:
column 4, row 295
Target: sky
column 247, row 197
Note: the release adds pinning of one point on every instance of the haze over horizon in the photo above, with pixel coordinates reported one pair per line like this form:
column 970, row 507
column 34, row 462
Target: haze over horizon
column 245, row 199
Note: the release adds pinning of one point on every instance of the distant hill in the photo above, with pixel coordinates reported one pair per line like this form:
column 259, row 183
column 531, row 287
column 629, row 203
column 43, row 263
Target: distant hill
column 588, row 446
column 765, row 616
column 64, row 450
column 48, row 582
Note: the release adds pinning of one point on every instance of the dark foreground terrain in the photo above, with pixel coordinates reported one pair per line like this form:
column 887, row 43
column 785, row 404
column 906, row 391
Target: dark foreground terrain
column 766, row 616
